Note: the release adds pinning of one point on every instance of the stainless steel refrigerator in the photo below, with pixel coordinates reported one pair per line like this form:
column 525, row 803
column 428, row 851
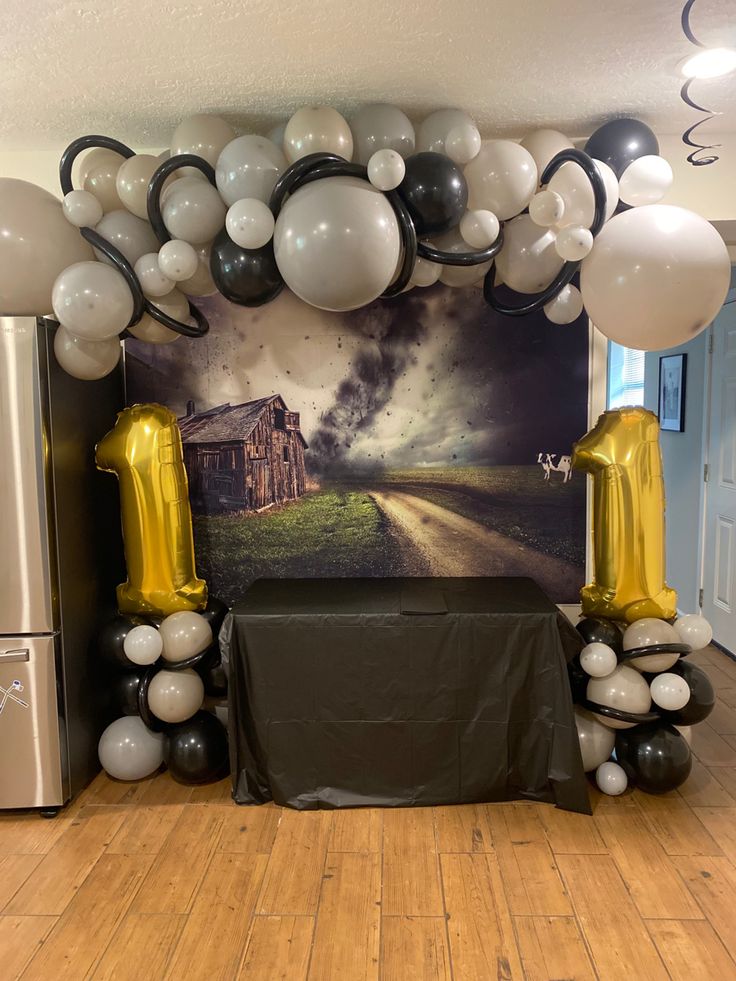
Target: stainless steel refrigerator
column 60, row 559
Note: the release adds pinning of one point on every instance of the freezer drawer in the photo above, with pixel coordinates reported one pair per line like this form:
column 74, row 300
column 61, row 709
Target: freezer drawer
column 30, row 750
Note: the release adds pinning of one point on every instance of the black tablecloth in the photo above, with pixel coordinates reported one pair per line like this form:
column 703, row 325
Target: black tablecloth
column 399, row 692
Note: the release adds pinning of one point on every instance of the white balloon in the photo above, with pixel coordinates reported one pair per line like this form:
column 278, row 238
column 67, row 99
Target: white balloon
column 82, row 209
column 645, row 181
column 596, row 739
column 250, row 223
column 174, row 696
column 143, row 644
column 276, row 135
column 694, row 630
column 130, row 235
column 314, row 129
column 184, row 635
column 204, row 135
column 434, row 130
column 86, row 360
column 647, row 632
column 129, row 750
column 502, row 178
column 380, row 126
column 611, row 779
column 386, row 169
column 574, row 242
column 201, row 283
column 425, row 273
column 611, row 185
column 573, row 186
column 337, row 243
column 177, row 260
column 623, row 689
column 566, row 307
column 249, row 167
column 670, row 691
column 543, row 144
column 479, row 228
column 98, row 175
column 192, row 210
column 656, row 277
column 132, row 180
column 528, row 261
column 546, row 209
column 463, row 143
column 152, row 280
column 459, row 276
column 174, row 304
column 598, row 660
column 92, row 300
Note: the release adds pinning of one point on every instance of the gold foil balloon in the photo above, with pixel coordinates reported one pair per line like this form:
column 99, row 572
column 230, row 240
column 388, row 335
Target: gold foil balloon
column 144, row 450
column 622, row 454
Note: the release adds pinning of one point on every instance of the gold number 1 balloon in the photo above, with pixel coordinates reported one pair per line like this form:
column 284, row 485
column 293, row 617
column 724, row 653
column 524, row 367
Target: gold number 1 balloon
column 622, row 454
column 144, row 450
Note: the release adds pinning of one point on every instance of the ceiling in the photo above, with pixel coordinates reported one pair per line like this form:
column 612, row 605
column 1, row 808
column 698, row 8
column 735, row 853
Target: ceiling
column 133, row 68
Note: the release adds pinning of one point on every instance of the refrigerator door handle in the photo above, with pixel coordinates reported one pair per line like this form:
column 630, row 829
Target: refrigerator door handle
column 8, row 657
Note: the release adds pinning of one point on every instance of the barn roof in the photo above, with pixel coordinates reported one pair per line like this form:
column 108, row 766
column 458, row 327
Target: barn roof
column 226, row 423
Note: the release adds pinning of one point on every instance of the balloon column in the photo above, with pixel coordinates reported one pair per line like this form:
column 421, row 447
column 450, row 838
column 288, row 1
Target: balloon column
column 636, row 695
column 343, row 213
column 163, row 650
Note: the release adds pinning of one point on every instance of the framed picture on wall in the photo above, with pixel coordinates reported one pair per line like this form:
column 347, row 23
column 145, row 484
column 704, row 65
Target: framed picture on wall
column 672, row 375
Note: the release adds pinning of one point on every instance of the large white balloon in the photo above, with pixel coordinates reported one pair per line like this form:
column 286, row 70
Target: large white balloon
column 184, row 635
column 192, row 210
column 647, row 632
column 87, row 360
column 204, row 135
column 459, row 276
column 174, row 304
column 381, row 127
column 596, row 739
column 694, row 630
column 656, row 277
column 92, row 300
column 528, row 261
column 249, row 167
column 132, row 180
column 502, row 178
column 315, row 129
column 623, row 689
column 572, row 184
column 98, row 175
column 132, row 236
column 434, row 130
column 128, row 750
column 174, row 696
column 645, row 181
column 543, row 144
column 337, row 243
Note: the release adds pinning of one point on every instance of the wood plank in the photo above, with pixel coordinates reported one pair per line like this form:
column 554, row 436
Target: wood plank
column 675, row 826
column 462, row 828
column 703, row 789
column 249, row 829
column 145, row 830
column 82, row 933
column 691, row 950
column 22, row 937
column 294, row 873
column 163, row 789
column 723, row 718
column 480, row 928
column 27, row 834
column 726, row 777
column 141, row 947
column 712, row 881
column 649, row 874
column 727, row 695
column 181, row 864
column 14, row 870
column 618, row 940
column 570, row 834
column 220, row 792
column 278, row 949
column 347, row 934
column 532, row 883
column 721, row 823
column 411, row 883
column 710, row 748
column 212, row 941
column 105, row 790
column 55, row 880
column 551, row 947
column 357, row 829
column 718, row 677
column 414, row 948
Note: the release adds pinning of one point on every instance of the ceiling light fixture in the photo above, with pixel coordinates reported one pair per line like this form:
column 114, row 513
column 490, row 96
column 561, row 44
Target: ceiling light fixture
column 709, row 63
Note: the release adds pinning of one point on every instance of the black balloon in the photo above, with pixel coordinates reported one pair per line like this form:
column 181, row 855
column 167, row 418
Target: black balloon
column 620, row 141
column 123, row 689
column 248, row 277
column 702, row 697
column 655, row 757
column 110, row 640
column 597, row 630
column 434, row 191
column 196, row 750
column 214, row 613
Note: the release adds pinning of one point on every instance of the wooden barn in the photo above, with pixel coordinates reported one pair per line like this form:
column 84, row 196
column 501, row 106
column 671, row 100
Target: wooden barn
column 243, row 457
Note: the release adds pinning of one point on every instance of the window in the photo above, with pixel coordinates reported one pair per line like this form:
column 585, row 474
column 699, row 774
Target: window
column 286, row 454
column 279, row 418
column 625, row 376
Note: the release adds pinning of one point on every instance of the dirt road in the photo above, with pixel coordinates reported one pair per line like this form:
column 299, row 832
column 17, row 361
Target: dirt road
column 456, row 546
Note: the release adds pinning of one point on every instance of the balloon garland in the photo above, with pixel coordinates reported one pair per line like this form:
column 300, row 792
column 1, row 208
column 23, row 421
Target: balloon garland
column 344, row 213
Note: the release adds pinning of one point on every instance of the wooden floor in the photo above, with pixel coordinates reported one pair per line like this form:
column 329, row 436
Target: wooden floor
column 154, row 880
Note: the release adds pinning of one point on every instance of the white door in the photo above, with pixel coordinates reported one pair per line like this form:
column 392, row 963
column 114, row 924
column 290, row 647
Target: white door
column 719, row 567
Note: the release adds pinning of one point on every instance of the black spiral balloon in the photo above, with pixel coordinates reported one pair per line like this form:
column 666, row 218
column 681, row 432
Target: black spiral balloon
column 696, row 158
